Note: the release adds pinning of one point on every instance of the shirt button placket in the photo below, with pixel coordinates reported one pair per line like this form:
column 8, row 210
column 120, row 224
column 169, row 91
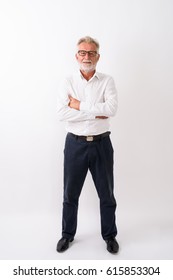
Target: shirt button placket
column 87, row 98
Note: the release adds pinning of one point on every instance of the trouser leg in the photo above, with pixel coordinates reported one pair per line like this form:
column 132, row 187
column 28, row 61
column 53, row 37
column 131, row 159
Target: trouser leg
column 101, row 167
column 75, row 170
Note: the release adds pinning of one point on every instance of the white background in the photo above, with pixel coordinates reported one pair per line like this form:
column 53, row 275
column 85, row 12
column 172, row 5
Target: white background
column 38, row 42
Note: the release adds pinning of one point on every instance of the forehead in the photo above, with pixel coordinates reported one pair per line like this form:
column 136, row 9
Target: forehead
column 87, row 46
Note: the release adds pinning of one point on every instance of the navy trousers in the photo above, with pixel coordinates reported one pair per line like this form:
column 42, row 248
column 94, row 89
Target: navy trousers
column 97, row 157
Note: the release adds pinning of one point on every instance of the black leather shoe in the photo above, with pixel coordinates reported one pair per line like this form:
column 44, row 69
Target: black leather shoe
column 112, row 245
column 63, row 244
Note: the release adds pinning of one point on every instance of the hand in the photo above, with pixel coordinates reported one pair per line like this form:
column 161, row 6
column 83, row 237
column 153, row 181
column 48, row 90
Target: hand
column 74, row 103
column 101, row 117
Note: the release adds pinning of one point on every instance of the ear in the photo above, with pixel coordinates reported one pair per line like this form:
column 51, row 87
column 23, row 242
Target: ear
column 76, row 56
column 98, row 57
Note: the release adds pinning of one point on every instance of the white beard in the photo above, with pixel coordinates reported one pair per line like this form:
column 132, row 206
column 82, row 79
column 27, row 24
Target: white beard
column 87, row 67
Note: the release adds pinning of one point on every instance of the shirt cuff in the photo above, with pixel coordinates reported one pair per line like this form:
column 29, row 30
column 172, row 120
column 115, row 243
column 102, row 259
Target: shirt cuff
column 84, row 106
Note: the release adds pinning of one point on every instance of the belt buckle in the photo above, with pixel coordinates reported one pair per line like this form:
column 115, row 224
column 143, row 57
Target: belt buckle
column 89, row 138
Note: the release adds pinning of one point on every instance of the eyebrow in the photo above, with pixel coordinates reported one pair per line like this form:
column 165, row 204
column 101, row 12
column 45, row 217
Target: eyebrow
column 87, row 51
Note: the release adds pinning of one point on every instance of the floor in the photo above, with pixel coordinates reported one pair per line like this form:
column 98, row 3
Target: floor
column 34, row 237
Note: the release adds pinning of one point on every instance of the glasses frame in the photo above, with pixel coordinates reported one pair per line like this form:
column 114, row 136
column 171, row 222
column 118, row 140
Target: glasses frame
column 90, row 53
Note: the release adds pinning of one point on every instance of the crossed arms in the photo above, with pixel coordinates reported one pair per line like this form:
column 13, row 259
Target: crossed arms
column 74, row 110
column 75, row 104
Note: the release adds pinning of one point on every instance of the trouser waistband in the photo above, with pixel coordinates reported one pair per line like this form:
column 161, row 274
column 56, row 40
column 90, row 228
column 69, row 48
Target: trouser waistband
column 91, row 138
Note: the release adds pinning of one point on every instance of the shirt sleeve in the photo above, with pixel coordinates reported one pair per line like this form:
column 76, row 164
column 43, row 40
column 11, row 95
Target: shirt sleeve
column 65, row 113
column 106, row 108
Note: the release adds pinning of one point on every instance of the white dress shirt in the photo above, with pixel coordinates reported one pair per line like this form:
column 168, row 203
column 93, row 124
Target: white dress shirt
column 98, row 97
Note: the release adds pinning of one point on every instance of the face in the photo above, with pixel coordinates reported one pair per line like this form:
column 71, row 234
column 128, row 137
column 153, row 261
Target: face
column 88, row 58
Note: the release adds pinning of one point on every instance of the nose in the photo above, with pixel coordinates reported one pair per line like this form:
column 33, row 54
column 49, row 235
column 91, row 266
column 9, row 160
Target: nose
column 87, row 55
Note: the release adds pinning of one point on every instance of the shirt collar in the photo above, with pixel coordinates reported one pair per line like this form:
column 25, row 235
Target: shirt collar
column 96, row 74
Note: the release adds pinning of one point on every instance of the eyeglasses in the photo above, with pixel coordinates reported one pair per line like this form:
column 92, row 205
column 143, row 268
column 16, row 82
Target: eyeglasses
column 90, row 53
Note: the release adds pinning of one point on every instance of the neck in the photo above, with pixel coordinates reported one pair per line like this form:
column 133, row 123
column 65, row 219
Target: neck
column 87, row 75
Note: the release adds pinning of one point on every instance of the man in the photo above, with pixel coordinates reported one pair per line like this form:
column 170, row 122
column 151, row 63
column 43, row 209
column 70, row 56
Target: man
column 87, row 100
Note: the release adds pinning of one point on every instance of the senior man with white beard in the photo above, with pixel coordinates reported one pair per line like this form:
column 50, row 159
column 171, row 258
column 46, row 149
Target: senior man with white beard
column 86, row 102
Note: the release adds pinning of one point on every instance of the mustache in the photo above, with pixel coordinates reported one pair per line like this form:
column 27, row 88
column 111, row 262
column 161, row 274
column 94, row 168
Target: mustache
column 87, row 60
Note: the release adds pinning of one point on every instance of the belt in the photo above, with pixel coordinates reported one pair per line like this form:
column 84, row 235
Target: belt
column 91, row 138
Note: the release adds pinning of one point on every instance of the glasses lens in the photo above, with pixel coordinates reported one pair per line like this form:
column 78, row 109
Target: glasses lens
column 92, row 53
column 82, row 53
